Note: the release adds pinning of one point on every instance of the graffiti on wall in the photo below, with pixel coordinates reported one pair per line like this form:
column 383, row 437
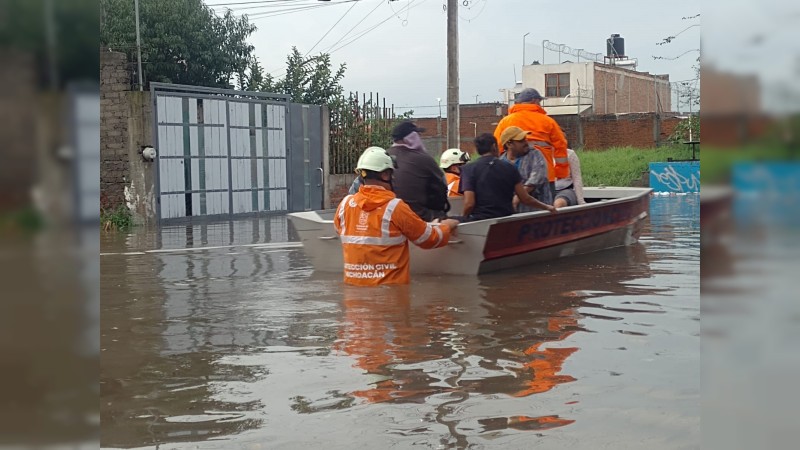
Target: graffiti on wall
column 677, row 177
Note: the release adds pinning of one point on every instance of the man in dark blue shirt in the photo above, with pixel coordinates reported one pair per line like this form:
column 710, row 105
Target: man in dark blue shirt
column 489, row 184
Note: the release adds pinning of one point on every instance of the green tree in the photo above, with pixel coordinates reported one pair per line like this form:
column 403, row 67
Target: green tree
column 183, row 41
column 73, row 25
column 310, row 80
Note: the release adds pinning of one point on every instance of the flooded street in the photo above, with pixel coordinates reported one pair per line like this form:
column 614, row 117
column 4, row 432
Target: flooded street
column 222, row 336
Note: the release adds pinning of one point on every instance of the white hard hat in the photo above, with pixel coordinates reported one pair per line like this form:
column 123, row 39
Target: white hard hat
column 453, row 156
column 375, row 159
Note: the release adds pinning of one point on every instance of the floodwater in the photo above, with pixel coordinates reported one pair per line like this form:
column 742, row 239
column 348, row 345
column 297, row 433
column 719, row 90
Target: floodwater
column 224, row 337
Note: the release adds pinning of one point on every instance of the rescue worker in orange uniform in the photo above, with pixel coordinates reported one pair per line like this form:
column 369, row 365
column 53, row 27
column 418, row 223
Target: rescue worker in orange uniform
column 451, row 161
column 545, row 134
column 375, row 226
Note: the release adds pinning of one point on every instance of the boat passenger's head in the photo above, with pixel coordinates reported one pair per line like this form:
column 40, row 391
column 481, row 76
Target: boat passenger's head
column 452, row 159
column 375, row 166
column 403, row 131
column 529, row 95
column 486, row 144
column 514, row 139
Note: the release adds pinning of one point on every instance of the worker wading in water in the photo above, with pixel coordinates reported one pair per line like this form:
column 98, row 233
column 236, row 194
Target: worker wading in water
column 375, row 226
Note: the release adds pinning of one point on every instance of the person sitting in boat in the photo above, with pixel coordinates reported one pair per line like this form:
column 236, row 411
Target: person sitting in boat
column 546, row 135
column 451, row 161
column 569, row 190
column 418, row 180
column 375, row 226
column 489, row 185
column 530, row 164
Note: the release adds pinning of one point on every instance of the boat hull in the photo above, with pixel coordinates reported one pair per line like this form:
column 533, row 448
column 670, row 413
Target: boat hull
column 613, row 218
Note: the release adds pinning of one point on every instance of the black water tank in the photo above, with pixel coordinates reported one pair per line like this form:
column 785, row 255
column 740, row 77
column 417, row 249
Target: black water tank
column 615, row 46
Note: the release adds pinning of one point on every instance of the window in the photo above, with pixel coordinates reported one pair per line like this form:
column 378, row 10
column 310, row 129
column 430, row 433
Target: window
column 556, row 84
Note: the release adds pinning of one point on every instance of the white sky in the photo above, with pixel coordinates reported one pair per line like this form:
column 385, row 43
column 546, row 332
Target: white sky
column 404, row 59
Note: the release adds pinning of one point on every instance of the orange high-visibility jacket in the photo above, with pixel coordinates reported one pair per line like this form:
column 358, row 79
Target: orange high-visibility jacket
column 545, row 135
column 375, row 227
column 453, row 182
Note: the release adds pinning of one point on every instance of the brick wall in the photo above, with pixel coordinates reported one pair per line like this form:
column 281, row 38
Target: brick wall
column 114, row 108
column 18, row 128
column 599, row 131
column 618, row 91
column 475, row 119
column 623, row 130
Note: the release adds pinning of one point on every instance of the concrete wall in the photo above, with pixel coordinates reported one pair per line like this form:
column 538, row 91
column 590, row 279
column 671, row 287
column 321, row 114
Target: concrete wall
column 679, row 177
column 140, row 189
column 126, row 124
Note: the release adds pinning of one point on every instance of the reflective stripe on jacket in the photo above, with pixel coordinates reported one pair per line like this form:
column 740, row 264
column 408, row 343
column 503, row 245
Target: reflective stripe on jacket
column 374, row 227
column 453, row 181
column 546, row 136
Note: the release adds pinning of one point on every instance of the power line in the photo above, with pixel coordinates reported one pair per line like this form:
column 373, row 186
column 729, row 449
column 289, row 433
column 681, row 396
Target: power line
column 253, row 2
column 283, row 12
column 332, row 27
column 354, row 27
column 363, row 33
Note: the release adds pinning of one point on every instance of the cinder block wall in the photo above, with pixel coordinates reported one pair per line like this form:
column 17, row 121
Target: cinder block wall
column 114, row 112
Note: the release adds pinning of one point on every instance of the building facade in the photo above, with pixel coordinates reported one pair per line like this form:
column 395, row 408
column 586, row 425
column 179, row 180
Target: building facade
column 594, row 88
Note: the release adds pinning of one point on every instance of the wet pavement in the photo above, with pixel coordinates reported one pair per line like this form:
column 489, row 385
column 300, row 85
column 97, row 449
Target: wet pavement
column 222, row 336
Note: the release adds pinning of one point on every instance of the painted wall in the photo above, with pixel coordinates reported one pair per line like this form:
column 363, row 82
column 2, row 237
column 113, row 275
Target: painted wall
column 583, row 73
column 675, row 177
column 767, row 193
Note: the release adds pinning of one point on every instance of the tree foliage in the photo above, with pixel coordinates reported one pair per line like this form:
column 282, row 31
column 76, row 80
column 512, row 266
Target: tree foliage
column 73, row 25
column 183, row 41
column 308, row 79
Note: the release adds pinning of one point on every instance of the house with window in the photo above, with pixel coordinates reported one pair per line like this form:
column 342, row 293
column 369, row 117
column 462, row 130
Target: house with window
column 590, row 87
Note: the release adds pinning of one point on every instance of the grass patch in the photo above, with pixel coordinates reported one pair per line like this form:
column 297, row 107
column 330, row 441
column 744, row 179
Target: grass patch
column 27, row 220
column 718, row 162
column 622, row 166
column 119, row 218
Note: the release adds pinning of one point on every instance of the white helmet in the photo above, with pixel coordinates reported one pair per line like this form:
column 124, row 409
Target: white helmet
column 375, row 159
column 453, row 156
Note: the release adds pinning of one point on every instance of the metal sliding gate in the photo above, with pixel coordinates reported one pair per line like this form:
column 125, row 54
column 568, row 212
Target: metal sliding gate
column 229, row 153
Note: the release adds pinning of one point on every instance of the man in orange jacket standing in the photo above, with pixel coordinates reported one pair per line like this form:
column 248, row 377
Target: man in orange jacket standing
column 375, row 226
column 545, row 134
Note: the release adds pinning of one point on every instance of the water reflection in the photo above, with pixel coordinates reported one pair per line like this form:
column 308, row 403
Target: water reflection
column 237, row 340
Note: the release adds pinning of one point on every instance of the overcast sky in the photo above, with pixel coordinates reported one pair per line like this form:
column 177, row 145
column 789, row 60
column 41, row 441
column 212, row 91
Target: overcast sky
column 404, row 58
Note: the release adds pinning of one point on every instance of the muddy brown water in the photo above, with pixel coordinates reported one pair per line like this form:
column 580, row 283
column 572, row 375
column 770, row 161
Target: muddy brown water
column 222, row 336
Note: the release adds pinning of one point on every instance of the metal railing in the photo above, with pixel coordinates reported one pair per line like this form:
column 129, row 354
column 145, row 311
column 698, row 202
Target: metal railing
column 358, row 122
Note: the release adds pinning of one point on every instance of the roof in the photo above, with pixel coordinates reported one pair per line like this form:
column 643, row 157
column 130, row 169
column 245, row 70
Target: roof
column 565, row 110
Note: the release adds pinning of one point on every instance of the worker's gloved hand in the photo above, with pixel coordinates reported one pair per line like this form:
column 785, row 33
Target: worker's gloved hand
column 515, row 202
column 452, row 224
column 552, row 208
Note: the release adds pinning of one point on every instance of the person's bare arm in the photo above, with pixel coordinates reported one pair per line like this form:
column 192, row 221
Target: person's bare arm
column 577, row 177
column 526, row 198
column 469, row 203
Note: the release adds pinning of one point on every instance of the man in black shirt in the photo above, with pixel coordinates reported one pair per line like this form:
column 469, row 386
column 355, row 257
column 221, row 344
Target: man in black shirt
column 489, row 184
column 418, row 180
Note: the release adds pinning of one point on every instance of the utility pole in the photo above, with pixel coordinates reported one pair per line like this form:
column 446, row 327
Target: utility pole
column 439, row 120
column 453, row 118
column 138, row 46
